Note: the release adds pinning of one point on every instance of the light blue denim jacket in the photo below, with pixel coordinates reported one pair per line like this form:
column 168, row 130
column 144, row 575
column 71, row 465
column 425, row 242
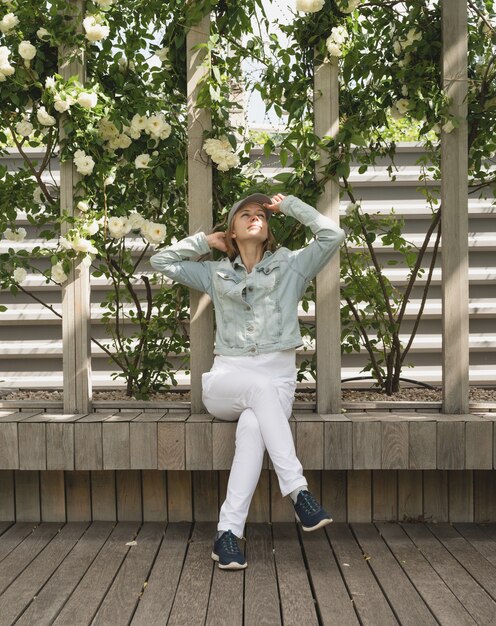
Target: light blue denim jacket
column 255, row 312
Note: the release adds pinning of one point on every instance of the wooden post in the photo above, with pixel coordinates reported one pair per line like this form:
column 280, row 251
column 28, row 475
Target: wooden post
column 76, row 291
column 327, row 305
column 454, row 203
column 200, row 209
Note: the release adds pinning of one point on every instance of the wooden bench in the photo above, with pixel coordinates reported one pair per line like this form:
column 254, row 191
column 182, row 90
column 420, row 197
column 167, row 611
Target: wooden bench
column 174, row 465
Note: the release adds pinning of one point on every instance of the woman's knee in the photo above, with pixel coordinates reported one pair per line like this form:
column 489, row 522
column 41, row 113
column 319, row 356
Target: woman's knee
column 248, row 428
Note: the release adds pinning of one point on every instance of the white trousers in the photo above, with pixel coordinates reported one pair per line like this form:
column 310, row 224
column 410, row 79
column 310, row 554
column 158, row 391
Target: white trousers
column 258, row 391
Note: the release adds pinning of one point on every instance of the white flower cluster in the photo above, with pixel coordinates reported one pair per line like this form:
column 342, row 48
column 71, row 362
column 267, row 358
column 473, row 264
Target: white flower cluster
column 348, row 6
column 400, row 45
column 8, row 23
column 74, row 241
column 12, row 235
column 24, row 127
column 104, row 4
column 63, row 98
column 309, row 6
column 155, row 126
column 399, row 108
column 44, row 118
column 27, row 52
column 95, row 28
column 83, row 162
column 6, row 68
column 335, row 40
column 153, row 232
column 221, row 152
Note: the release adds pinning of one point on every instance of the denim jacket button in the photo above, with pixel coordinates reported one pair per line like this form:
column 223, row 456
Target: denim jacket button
column 253, row 349
column 250, row 288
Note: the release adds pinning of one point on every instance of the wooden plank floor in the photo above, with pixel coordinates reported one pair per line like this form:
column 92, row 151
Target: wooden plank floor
column 108, row 574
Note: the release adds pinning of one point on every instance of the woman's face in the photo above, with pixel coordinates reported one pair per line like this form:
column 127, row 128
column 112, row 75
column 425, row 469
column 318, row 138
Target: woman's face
column 250, row 224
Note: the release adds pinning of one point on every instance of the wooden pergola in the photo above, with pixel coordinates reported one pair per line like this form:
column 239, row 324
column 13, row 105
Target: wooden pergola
column 454, row 198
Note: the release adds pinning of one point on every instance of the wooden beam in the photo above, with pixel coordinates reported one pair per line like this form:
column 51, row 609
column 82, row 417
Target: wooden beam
column 454, row 203
column 200, row 209
column 76, row 313
column 327, row 305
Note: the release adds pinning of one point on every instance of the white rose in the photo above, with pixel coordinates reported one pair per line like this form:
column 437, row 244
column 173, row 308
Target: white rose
column 5, row 68
column 83, row 162
column 333, row 48
column 80, row 244
column 166, row 131
column 57, row 274
column 60, row 105
column 118, row 227
column 142, row 161
column 395, row 114
column 27, row 50
column 92, row 228
column 339, row 34
column 42, row 34
column 350, row 209
column 402, row 105
column 65, row 243
column 123, row 141
column 83, row 206
column 19, row 274
column 95, row 30
column 87, row 100
column 136, row 220
column 309, row 6
column 24, row 128
column 397, row 47
column 104, row 4
column 12, row 235
column 154, row 233
column 8, row 22
column 155, row 124
column 45, row 118
column 448, row 127
column 50, row 83
column 107, row 129
column 350, row 6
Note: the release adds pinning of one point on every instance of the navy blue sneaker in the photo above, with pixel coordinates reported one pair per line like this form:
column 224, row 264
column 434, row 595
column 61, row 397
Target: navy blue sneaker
column 226, row 551
column 309, row 512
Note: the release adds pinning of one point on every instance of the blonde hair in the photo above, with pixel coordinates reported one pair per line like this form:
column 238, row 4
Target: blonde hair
column 232, row 245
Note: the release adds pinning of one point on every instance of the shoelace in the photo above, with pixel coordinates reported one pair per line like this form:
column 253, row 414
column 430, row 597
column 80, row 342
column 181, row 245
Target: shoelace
column 229, row 543
column 309, row 503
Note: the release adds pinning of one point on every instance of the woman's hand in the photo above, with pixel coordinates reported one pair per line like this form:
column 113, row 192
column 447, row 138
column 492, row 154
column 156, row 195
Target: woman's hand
column 275, row 203
column 217, row 240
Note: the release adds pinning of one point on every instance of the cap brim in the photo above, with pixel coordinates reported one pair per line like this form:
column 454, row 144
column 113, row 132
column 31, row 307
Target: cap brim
column 259, row 198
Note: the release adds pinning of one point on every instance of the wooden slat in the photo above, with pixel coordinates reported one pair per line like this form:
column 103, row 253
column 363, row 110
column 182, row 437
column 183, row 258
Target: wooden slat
column 122, row 597
column 366, row 445
column 479, row 445
column 431, row 587
column 92, row 588
column 334, row 496
column 9, row 447
column 410, row 495
column 395, row 445
column 179, row 496
column 32, row 446
column 154, row 488
column 116, row 444
column 13, row 536
column 297, row 604
column 327, row 297
column 205, row 496
column 128, row 486
column 338, row 445
column 225, row 604
column 422, row 445
column 451, row 445
column 60, row 446
column 335, row 608
column 461, row 496
column 484, row 496
column 480, row 539
column 52, row 491
column 475, row 600
column 88, row 446
column 104, row 502
column 34, row 577
column 223, row 445
column 310, row 442
column 171, row 445
column 261, row 605
column 282, row 509
column 158, row 595
column 78, row 495
column 359, row 496
column 454, row 202
column 436, row 496
column 27, row 495
column 143, row 445
column 191, row 601
column 407, row 604
column 368, row 599
column 7, row 499
column 199, row 445
column 200, row 205
column 51, row 598
column 384, row 495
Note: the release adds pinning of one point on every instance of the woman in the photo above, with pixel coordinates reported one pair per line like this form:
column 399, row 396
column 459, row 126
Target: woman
column 255, row 290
